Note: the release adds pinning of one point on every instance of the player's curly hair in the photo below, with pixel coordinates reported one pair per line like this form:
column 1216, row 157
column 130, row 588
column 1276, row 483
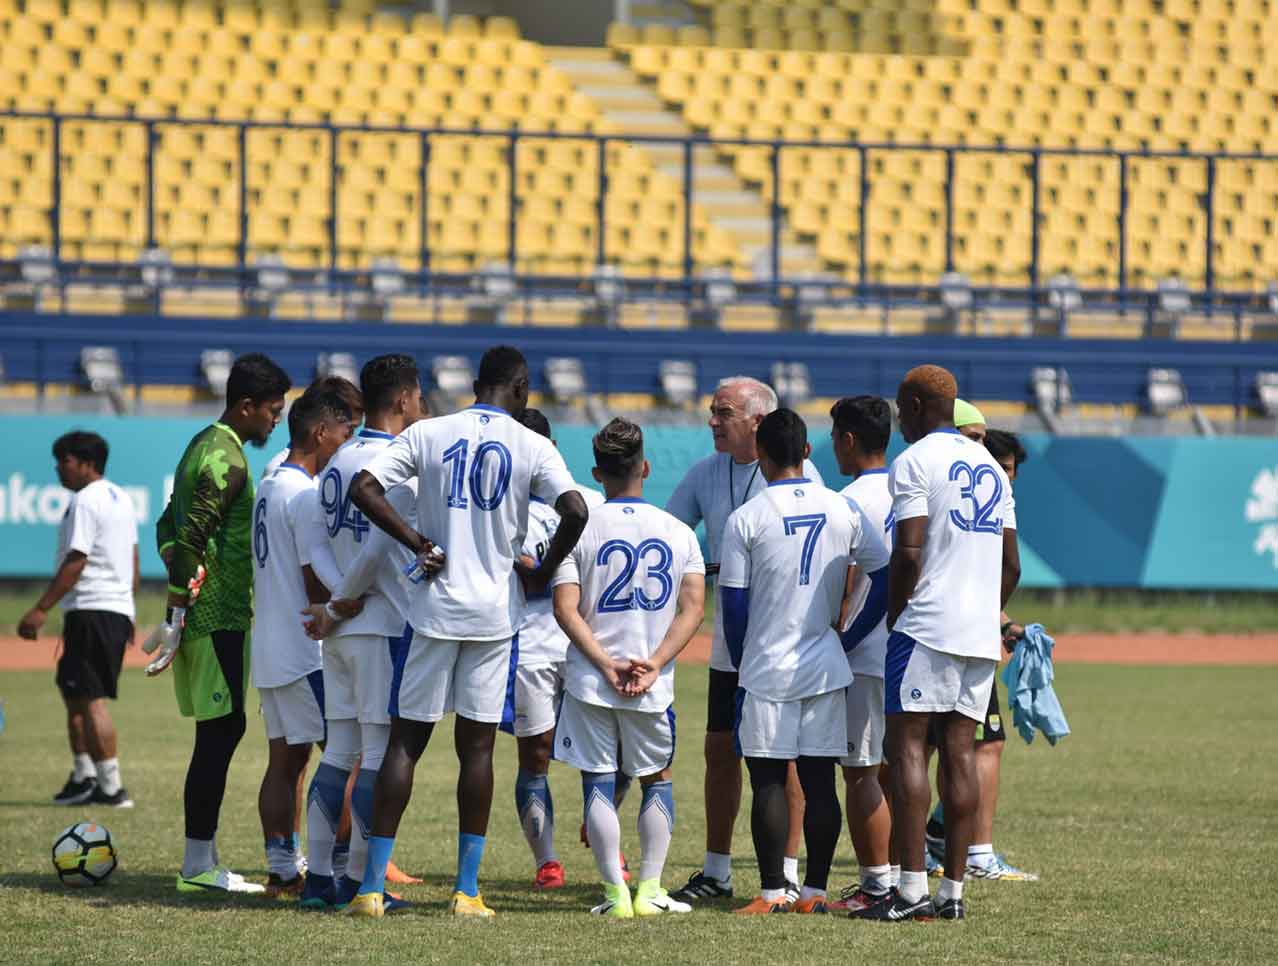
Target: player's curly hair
column 619, row 449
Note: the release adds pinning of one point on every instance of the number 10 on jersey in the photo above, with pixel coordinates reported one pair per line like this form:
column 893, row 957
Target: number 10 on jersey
column 456, row 456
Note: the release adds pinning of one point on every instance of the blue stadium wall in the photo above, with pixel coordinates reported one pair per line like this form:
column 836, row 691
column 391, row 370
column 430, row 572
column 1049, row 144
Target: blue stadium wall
column 46, row 349
column 1154, row 513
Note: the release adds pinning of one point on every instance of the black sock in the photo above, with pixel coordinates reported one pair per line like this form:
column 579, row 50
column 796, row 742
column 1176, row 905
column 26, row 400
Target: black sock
column 769, row 819
column 822, row 818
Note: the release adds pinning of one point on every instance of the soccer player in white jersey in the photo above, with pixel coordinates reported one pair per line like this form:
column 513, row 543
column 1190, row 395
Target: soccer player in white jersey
column 862, row 426
column 783, row 578
column 96, row 578
column 285, row 662
column 708, row 493
column 954, row 564
column 358, row 563
column 533, row 688
column 629, row 596
column 476, row 472
column 349, row 395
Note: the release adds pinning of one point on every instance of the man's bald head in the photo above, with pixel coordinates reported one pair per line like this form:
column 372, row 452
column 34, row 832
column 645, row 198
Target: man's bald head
column 925, row 401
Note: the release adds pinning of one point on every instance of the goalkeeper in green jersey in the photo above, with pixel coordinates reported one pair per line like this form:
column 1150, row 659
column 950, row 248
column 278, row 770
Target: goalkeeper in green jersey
column 205, row 538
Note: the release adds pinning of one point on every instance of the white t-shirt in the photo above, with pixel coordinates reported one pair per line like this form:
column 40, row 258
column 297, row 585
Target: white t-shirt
column 274, row 463
column 629, row 564
column 281, row 652
column 100, row 523
column 337, row 520
column 869, row 492
column 791, row 546
column 476, row 471
column 709, row 492
column 541, row 639
column 967, row 500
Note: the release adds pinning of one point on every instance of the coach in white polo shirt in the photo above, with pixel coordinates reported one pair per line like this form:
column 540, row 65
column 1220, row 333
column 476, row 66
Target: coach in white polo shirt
column 712, row 489
column 954, row 564
column 96, row 578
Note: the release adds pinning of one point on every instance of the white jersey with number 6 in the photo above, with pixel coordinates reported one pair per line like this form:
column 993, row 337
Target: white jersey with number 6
column 791, row 547
column 968, row 503
column 629, row 565
column 281, row 653
column 475, row 472
column 348, row 532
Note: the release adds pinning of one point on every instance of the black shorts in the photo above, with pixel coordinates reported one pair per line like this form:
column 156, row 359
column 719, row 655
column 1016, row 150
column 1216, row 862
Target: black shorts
column 93, row 643
column 721, row 701
column 987, row 732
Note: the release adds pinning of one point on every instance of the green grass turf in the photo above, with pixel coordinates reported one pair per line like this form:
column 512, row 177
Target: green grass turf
column 1074, row 611
column 1153, row 826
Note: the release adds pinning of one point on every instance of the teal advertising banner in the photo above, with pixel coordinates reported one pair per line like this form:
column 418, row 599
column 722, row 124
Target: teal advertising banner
column 1147, row 512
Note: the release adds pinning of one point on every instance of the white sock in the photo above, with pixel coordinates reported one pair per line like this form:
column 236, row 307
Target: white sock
column 656, row 828
column 108, row 775
column 81, row 766
column 773, row 895
column 807, row 892
column 790, row 865
column 717, row 865
column 281, row 859
column 913, row 885
column 981, row 855
column 199, row 857
column 949, row 889
column 895, row 877
column 604, row 831
column 876, row 878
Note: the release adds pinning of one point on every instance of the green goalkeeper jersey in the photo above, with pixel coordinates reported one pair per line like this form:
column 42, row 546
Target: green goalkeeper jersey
column 209, row 521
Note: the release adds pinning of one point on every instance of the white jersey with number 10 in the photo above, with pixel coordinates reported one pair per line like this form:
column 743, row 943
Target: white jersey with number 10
column 475, row 472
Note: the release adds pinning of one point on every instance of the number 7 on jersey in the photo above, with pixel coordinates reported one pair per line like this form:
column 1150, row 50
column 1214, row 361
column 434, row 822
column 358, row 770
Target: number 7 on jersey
column 813, row 523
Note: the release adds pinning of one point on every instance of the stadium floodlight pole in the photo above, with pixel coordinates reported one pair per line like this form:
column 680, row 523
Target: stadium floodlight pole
column 150, row 183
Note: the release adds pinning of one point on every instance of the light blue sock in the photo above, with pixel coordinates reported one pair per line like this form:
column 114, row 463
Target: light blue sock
column 938, row 813
column 470, row 852
column 379, row 853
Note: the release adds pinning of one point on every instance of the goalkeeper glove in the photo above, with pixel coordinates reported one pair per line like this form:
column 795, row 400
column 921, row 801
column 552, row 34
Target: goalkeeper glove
column 165, row 640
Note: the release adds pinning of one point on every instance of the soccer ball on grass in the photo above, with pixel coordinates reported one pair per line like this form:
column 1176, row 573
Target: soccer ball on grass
column 84, row 854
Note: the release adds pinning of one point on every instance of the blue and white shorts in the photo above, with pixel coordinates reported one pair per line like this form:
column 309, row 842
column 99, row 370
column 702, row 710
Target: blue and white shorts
column 295, row 712
column 597, row 738
column 924, row 680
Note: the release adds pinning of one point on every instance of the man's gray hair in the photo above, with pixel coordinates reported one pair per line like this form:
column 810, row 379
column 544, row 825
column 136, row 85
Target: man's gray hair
column 760, row 398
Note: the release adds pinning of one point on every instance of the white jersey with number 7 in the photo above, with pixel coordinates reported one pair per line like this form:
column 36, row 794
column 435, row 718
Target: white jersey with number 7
column 475, row 472
column 791, row 547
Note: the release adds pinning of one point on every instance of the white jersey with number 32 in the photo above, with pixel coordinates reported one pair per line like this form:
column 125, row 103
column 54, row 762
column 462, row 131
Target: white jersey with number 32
column 967, row 500
column 475, row 472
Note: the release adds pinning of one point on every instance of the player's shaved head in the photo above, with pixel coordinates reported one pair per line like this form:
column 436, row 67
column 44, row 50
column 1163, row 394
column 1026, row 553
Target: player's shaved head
column 619, row 449
column 503, row 380
column 536, row 420
column 925, row 401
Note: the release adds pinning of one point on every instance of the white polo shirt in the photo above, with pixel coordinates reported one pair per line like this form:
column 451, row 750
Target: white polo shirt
column 101, row 523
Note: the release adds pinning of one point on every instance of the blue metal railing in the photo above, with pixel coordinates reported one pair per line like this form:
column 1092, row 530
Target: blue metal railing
column 1206, row 296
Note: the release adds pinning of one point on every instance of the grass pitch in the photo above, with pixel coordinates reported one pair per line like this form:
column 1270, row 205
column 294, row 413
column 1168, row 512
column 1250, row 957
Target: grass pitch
column 1153, row 826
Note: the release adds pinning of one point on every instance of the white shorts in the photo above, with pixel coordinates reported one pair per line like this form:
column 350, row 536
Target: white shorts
column 920, row 679
column 813, row 727
column 865, row 722
column 595, row 738
column 437, row 676
column 532, row 694
column 357, row 676
column 295, row 712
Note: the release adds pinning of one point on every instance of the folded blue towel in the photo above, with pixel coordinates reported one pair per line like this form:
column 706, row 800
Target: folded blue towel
column 1028, row 677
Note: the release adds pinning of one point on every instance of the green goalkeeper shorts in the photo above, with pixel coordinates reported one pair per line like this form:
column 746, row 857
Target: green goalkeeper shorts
column 210, row 675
